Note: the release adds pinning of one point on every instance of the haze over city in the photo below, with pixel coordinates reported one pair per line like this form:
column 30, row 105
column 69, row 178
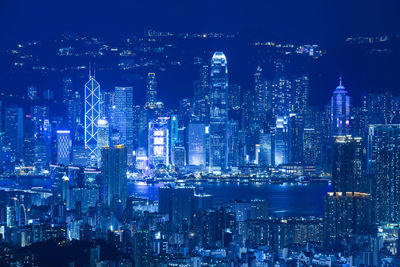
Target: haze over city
column 209, row 133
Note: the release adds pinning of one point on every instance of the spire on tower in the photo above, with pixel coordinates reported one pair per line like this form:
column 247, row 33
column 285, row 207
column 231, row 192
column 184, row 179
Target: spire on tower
column 340, row 80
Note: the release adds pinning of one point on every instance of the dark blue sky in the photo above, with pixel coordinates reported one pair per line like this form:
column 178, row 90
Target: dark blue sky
column 324, row 21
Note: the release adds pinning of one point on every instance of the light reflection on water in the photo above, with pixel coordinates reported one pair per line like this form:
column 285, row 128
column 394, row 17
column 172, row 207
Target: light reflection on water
column 283, row 200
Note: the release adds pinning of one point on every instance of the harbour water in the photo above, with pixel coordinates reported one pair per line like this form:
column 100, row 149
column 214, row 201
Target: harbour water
column 283, row 199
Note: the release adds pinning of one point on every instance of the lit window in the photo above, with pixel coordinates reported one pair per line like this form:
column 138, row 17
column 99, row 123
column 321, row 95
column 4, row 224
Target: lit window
column 158, row 140
column 158, row 133
column 158, row 150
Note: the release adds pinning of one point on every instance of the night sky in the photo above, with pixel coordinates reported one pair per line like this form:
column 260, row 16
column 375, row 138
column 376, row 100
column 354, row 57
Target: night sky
column 326, row 22
column 313, row 20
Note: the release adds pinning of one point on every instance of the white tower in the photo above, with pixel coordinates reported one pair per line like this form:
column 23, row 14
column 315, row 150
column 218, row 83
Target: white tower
column 92, row 115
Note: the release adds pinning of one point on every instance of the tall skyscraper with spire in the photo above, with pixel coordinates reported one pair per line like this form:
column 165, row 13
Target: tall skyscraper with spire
column 218, row 112
column 92, row 115
column 340, row 111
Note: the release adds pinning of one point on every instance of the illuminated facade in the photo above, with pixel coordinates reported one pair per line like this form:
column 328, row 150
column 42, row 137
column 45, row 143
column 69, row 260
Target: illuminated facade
column 347, row 171
column 218, row 113
column 174, row 131
column 384, row 166
column 197, row 144
column 281, row 146
column 114, row 176
column 123, row 113
column 92, row 115
column 346, row 214
column 64, row 146
column 103, row 136
column 340, row 111
column 151, row 90
column 158, row 150
column 14, row 131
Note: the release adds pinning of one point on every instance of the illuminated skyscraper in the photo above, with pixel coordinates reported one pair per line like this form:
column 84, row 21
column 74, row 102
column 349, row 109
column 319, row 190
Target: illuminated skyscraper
column 79, row 153
column 197, row 144
column 281, row 96
column 64, row 146
column 103, row 136
column 311, row 147
column 281, row 147
column 201, row 98
column 384, row 166
column 218, row 113
column 67, row 89
column 74, row 109
column 107, row 106
column 92, row 115
column 151, row 93
column 300, row 91
column 340, row 111
column 14, row 131
column 260, row 99
column 347, row 172
column 159, row 141
column 113, row 171
column 174, row 131
column 29, row 140
column 265, row 157
column 123, row 113
column 295, row 138
column 233, row 143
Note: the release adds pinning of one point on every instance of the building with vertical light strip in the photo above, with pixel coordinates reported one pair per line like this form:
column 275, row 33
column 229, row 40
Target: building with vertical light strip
column 92, row 115
column 174, row 131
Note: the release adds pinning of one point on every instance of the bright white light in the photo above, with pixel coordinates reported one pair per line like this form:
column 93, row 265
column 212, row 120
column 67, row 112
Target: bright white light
column 158, row 141
column 158, row 133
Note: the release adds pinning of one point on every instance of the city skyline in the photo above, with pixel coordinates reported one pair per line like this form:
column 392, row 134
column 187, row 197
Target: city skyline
column 213, row 133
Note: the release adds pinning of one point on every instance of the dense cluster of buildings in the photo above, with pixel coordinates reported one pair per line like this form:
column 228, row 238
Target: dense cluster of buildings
column 104, row 138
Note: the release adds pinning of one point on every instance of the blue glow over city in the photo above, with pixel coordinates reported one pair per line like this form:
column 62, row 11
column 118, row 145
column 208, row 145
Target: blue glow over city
column 206, row 133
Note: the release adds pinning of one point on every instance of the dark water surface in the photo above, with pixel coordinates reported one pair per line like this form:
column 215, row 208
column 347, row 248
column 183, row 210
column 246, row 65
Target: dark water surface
column 283, row 200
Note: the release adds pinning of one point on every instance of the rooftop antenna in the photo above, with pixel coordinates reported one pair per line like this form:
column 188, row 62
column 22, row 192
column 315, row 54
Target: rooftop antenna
column 94, row 70
column 90, row 70
column 340, row 80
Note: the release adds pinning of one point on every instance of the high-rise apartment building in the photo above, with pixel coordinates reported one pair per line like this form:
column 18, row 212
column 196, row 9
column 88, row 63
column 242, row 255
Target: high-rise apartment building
column 114, row 177
column 124, row 118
